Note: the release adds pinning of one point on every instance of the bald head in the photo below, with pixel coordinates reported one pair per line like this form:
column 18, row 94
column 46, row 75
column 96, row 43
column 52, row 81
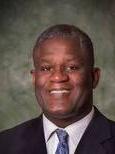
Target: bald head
column 67, row 32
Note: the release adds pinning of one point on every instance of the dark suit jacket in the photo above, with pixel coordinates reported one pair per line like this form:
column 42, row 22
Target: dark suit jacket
column 28, row 138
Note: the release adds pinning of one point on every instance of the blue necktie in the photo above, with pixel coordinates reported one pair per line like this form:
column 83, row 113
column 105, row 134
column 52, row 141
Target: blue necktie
column 62, row 147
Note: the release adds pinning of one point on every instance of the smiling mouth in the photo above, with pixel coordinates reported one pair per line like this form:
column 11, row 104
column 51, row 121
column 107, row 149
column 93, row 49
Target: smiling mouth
column 59, row 91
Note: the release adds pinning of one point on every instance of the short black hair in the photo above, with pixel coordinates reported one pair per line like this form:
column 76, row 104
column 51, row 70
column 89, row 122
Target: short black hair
column 67, row 31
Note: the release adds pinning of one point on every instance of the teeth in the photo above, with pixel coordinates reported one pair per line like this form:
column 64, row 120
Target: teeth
column 59, row 91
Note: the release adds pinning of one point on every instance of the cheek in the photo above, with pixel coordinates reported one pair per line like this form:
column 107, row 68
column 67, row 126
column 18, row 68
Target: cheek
column 39, row 87
column 40, row 84
column 77, row 79
column 41, row 80
column 81, row 80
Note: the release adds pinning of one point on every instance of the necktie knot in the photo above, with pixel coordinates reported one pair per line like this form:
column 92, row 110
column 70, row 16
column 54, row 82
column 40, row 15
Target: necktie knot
column 62, row 135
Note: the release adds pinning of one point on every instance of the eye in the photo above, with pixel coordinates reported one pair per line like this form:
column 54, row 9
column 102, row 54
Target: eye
column 45, row 68
column 72, row 68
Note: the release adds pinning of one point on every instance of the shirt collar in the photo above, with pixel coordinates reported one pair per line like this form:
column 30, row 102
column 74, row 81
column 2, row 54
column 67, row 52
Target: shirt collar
column 78, row 127
column 49, row 127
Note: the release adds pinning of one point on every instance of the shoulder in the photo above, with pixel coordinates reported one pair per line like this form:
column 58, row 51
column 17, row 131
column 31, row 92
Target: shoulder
column 109, row 144
column 102, row 123
column 23, row 128
column 112, row 124
column 22, row 138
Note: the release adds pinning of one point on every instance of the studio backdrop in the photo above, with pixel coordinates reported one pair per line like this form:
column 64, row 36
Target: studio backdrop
column 21, row 21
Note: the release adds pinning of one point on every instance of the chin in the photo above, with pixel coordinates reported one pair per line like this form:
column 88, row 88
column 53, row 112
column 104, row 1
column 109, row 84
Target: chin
column 58, row 114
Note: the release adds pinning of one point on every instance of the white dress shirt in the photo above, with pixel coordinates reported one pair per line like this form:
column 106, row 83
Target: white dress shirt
column 75, row 131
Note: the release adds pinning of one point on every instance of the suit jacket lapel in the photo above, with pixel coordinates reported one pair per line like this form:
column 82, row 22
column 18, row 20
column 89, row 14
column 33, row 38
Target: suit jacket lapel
column 34, row 139
column 97, row 132
column 39, row 146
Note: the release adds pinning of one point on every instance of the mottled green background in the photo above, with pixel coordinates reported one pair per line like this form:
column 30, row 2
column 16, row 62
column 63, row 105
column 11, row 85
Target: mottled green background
column 21, row 21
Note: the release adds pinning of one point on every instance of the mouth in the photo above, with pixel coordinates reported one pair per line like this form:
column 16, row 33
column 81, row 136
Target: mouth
column 59, row 92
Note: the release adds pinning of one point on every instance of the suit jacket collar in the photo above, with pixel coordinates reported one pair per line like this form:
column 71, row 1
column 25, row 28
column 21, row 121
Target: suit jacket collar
column 95, row 135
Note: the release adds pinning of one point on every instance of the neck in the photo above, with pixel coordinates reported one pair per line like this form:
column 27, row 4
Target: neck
column 65, row 121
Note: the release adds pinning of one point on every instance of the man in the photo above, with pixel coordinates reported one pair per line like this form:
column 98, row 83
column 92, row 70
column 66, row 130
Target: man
column 64, row 78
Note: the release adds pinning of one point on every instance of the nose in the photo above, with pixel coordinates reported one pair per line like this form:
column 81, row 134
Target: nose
column 59, row 76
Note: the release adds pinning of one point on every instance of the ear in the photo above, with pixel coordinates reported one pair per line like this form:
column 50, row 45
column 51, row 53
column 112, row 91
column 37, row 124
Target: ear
column 96, row 76
column 33, row 76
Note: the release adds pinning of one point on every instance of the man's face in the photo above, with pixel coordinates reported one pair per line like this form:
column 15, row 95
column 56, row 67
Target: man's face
column 63, row 79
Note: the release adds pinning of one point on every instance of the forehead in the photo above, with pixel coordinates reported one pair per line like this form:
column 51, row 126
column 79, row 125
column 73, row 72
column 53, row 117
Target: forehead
column 59, row 46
